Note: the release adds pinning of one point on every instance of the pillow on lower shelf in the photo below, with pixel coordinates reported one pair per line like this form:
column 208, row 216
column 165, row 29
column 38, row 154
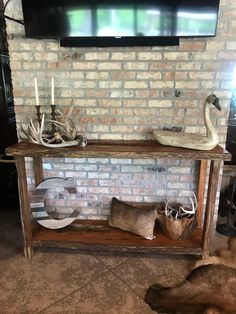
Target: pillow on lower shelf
column 134, row 219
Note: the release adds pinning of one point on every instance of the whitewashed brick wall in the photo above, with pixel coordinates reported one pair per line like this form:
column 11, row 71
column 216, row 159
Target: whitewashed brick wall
column 122, row 93
column 138, row 180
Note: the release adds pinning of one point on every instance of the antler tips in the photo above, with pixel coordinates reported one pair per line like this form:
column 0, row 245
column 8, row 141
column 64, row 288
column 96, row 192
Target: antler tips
column 65, row 134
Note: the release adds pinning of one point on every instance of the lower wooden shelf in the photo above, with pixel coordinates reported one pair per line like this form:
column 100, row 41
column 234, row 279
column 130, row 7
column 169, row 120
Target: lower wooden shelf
column 97, row 235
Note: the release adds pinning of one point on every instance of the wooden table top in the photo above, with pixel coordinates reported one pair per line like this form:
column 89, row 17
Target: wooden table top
column 117, row 149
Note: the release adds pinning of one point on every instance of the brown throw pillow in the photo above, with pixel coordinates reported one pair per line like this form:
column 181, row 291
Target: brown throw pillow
column 131, row 218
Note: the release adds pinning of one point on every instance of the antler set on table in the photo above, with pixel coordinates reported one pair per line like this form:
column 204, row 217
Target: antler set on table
column 60, row 132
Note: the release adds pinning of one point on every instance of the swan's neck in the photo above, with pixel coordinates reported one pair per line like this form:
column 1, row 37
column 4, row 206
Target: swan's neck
column 210, row 130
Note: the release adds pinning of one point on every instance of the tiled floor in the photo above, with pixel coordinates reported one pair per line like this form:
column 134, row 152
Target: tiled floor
column 68, row 282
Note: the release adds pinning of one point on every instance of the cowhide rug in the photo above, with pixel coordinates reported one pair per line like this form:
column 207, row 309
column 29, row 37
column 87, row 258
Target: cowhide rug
column 210, row 288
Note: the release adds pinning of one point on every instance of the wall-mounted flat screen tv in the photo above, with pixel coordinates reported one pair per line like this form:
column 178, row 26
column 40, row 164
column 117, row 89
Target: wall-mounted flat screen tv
column 118, row 23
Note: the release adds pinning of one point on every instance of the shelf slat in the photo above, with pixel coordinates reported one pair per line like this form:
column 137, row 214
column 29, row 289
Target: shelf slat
column 96, row 235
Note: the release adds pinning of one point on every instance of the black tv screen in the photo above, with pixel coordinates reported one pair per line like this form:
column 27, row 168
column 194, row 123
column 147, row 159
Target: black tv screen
column 101, row 22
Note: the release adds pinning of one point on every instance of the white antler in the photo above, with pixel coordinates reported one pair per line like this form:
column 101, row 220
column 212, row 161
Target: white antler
column 193, row 201
column 179, row 211
column 65, row 133
column 171, row 211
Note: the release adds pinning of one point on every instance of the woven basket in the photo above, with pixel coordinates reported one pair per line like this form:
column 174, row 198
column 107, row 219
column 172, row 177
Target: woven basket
column 177, row 229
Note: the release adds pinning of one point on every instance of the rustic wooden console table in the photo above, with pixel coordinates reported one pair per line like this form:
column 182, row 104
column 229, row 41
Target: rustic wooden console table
column 112, row 239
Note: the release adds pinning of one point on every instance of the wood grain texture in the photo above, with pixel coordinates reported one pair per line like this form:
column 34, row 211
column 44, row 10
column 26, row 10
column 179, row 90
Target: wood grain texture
column 201, row 191
column 210, row 205
column 38, row 170
column 83, row 235
column 25, row 206
column 117, row 149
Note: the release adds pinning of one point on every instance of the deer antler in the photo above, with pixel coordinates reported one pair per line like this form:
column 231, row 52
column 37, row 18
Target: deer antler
column 65, row 134
column 193, row 201
column 178, row 211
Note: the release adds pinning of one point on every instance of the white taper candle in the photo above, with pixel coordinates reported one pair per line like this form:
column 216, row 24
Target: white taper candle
column 36, row 91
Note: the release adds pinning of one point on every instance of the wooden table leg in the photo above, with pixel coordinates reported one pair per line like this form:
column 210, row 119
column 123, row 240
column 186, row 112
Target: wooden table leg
column 24, row 206
column 201, row 191
column 38, row 170
column 210, row 205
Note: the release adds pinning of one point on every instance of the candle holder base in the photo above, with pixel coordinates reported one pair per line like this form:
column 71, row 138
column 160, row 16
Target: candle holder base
column 38, row 114
column 53, row 115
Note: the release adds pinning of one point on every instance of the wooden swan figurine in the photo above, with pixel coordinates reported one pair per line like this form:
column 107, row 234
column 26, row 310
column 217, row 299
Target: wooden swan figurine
column 190, row 140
